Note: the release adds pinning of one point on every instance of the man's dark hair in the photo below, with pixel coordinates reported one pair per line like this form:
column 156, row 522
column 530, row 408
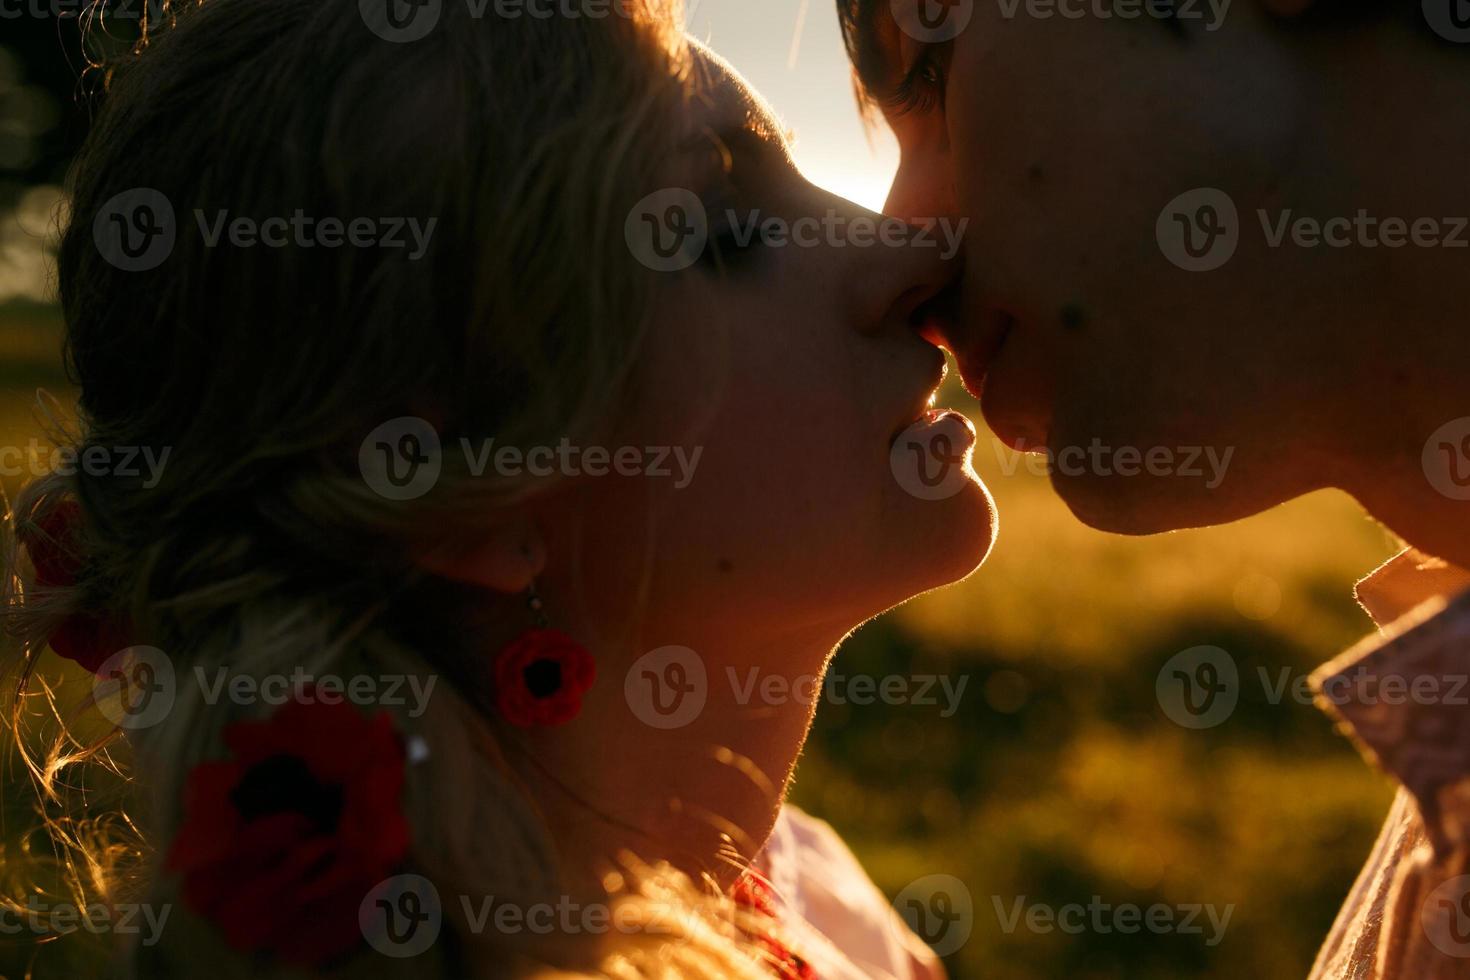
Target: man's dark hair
column 857, row 18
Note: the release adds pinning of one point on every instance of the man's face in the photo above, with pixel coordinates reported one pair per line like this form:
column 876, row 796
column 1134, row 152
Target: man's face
column 1064, row 141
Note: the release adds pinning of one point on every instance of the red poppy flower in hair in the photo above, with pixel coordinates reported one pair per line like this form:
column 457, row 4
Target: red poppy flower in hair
column 89, row 640
column 540, row 678
column 280, row 842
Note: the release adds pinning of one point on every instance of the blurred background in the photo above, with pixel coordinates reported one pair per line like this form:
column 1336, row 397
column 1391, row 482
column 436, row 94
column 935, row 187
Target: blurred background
column 1060, row 780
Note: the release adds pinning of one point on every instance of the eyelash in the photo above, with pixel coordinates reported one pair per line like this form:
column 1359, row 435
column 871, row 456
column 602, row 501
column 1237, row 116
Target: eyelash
column 723, row 249
column 922, row 88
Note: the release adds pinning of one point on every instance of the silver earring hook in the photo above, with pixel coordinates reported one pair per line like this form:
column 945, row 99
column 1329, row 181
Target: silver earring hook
column 536, row 607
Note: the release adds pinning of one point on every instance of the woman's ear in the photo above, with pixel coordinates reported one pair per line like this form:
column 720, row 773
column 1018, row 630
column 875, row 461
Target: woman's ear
column 506, row 557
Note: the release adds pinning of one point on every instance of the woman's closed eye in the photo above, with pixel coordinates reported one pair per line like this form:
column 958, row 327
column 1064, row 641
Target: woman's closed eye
column 752, row 167
column 730, row 244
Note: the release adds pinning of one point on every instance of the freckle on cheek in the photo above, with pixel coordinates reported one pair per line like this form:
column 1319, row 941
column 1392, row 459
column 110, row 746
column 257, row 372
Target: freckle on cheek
column 1073, row 316
column 725, row 565
column 1035, row 173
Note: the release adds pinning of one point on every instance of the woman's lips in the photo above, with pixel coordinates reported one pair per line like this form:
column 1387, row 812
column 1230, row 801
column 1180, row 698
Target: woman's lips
column 937, row 415
column 922, row 408
column 931, row 458
column 949, row 419
column 960, row 428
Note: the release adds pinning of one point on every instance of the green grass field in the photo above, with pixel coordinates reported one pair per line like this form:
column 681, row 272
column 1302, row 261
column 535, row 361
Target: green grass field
column 1060, row 778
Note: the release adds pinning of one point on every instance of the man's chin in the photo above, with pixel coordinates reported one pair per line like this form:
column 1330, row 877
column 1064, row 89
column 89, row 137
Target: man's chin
column 1114, row 514
column 1142, row 506
column 1018, row 429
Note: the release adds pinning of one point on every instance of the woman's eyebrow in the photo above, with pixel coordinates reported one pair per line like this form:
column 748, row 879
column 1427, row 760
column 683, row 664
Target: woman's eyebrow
column 760, row 141
column 754, row 141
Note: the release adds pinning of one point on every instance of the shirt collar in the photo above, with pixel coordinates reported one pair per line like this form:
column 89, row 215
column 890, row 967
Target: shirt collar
column 1406, row 582
column 1402, row 695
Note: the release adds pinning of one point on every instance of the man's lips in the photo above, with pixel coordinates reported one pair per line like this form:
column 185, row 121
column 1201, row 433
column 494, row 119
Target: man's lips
column 976, row 344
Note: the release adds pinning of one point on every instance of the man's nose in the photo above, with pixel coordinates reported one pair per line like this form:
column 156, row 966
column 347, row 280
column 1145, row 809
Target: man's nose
column 900, row 282
column 921, row 190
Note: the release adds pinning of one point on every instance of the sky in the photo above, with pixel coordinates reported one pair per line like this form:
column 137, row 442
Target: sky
column 791, row 52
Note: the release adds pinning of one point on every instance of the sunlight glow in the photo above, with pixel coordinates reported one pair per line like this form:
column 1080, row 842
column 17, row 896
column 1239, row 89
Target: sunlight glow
column 792, row 54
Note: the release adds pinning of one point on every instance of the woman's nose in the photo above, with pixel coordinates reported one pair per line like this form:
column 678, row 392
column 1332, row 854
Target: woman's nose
column 898, row 283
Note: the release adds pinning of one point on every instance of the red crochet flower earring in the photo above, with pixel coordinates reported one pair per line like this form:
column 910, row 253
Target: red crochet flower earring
column 88, row 638
column 541, row 675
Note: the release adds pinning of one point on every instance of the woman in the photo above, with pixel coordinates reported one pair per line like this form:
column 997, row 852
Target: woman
column 337, row 505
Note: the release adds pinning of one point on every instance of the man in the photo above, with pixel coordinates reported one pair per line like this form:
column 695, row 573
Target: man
column 1241, row 227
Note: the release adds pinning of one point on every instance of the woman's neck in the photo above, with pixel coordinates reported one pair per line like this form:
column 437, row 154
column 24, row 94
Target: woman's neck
column 648, row 769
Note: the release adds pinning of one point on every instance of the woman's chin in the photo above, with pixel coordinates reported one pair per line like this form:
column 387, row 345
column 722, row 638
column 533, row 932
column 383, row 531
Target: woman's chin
column 938, row 542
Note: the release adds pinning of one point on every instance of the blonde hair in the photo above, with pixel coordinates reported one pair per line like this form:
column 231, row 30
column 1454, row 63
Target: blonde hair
column 261, row 547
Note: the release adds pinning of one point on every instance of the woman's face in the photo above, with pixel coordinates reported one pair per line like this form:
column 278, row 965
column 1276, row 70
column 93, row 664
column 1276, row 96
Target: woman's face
column 792, row 374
